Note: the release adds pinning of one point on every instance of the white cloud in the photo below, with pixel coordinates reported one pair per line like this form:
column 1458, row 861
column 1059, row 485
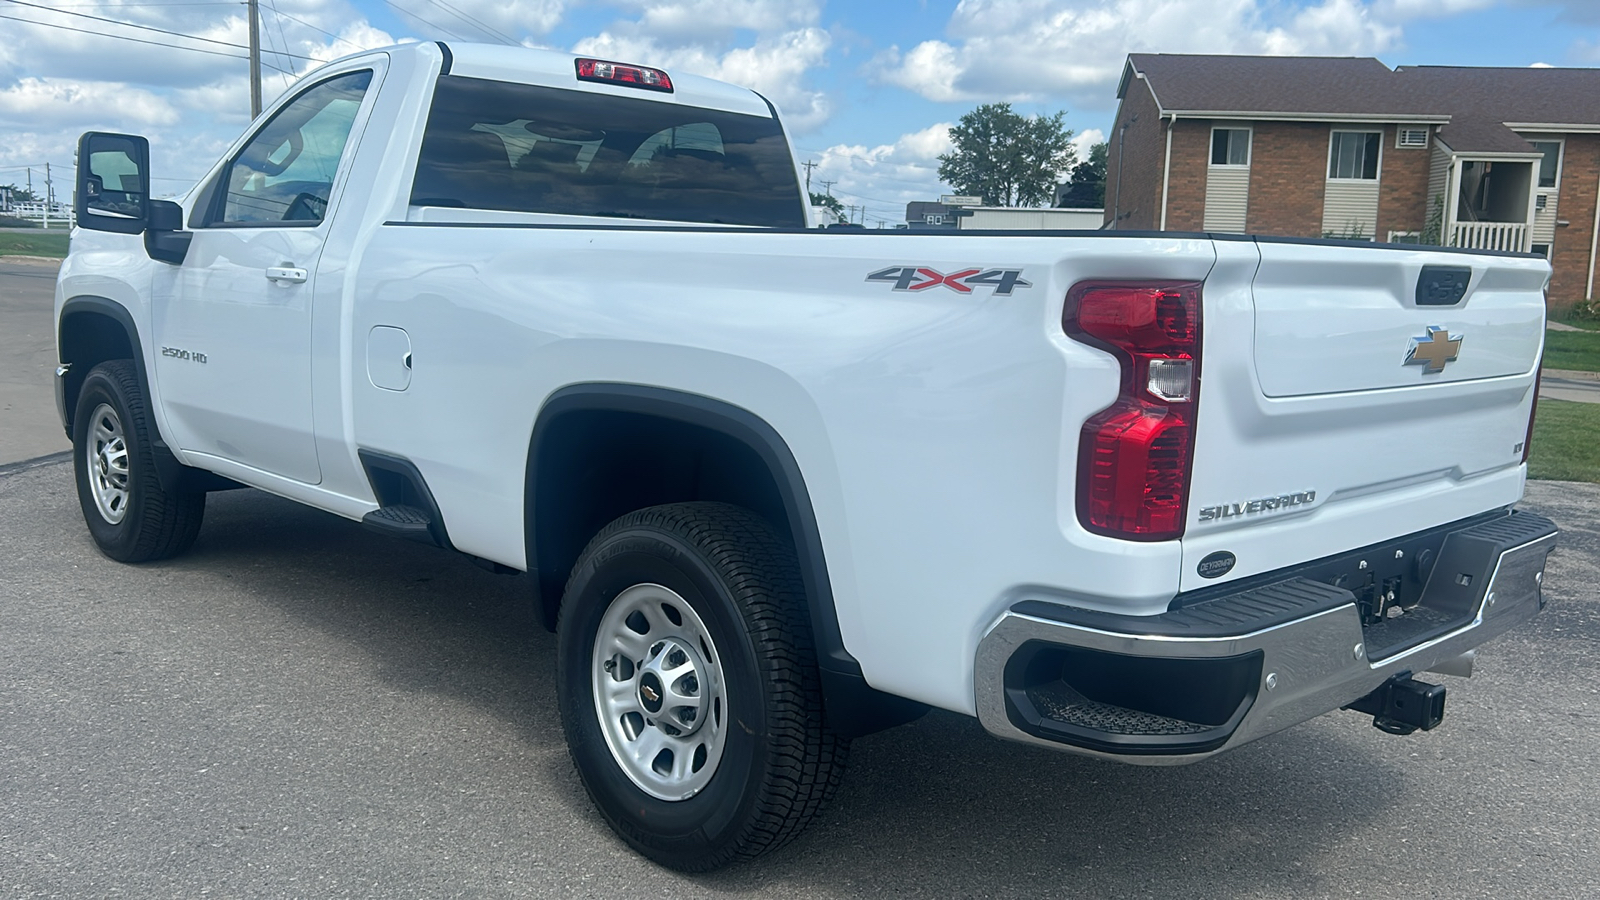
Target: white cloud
column 1086, row 139
column 56, row 83
column 773, row 66
column 36, row 103
column 1031, row 49
column 879, row 181
column 926, row 144
column 692, row 20
column 488, row 21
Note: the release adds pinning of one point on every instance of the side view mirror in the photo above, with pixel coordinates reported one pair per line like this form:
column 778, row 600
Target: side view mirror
column 113, row 184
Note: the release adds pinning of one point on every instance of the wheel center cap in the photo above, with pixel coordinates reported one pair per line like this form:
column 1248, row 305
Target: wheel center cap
column 650, row 692
column 670, row 690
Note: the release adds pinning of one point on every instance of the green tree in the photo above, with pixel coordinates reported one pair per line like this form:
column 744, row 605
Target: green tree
column 1006, row 158
column 830, row 203
column 1086, row 186
column 19, row 195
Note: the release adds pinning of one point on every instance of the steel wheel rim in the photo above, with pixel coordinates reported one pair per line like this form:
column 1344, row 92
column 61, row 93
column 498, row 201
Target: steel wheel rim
column 659, row 692
column 106, row 462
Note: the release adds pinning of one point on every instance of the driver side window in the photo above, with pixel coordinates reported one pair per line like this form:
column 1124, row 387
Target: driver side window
column 285, row 173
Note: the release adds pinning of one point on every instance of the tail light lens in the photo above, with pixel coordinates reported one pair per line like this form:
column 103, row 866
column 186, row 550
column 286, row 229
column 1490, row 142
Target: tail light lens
column 1135, row 456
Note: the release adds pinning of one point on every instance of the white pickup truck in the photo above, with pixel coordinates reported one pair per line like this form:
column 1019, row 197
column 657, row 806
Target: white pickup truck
column 1145, row 497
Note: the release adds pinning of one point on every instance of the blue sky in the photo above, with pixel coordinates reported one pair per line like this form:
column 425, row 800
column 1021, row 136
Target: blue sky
column 869, row 88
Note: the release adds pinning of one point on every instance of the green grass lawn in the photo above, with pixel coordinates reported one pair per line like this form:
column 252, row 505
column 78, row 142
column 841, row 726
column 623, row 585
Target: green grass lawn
column 44, row 243
column 1572, row 350
column 1565, row 445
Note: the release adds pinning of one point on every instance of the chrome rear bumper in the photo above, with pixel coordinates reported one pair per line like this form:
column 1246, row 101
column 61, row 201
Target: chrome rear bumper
column 1207, row 677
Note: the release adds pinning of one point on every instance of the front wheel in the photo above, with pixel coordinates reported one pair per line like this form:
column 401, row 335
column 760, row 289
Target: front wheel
column 688, row 686
column 130, row 516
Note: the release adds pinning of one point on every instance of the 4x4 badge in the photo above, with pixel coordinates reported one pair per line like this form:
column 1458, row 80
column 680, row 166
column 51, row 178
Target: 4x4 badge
column 1433, row 350
column 920, row 278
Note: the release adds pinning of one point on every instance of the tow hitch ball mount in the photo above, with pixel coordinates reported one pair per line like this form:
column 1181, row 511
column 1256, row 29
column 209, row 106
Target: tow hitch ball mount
column 1402, row 705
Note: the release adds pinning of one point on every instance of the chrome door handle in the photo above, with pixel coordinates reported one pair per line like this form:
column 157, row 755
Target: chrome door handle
column 286, row 275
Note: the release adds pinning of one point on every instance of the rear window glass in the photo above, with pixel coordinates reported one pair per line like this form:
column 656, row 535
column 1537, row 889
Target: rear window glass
column 523, row 148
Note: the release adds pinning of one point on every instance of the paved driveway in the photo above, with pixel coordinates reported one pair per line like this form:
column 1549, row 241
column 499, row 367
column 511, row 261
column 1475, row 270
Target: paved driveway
column 300, row 708
column 29, row 426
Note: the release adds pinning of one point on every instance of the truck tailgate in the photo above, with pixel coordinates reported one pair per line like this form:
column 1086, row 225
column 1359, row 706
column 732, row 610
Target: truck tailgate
column 1341, row 406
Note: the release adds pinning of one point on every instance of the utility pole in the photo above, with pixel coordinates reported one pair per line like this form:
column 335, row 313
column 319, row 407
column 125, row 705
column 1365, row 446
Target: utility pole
column 255, row 56
column 808, row 165
column 828, row 186
column 48, row 196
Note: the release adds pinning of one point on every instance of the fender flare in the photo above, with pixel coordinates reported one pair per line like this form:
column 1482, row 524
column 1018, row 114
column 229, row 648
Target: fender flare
column 854, row 707
column 173, row 475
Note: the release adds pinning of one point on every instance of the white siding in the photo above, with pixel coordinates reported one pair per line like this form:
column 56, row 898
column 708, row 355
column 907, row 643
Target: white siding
column 1544, row 220
column 1227, row 197
column 1438, row 183
column 1350, row 208
column 1023, row 219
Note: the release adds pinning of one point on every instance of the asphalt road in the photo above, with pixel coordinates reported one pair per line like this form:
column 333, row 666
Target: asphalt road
column 301, row 709
column 29, row 426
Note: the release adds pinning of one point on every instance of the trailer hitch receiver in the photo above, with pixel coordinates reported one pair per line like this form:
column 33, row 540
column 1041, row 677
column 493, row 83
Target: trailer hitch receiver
column 1402, row 705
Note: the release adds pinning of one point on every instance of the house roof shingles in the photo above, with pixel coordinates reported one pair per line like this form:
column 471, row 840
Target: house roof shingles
column 1475, row 101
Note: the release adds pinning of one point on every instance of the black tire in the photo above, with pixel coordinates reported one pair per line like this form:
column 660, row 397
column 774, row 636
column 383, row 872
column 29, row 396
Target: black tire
column 145, row 522
column 779, row 763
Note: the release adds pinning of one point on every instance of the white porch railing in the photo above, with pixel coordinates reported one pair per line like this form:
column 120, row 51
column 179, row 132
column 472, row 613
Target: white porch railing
column 1511, row 236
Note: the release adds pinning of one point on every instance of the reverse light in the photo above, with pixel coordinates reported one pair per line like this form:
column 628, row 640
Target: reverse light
column 1135, row 456
column 623, row 74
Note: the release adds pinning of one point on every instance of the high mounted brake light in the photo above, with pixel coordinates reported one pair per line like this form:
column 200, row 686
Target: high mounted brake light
column 1135, row 456
column 623, row 74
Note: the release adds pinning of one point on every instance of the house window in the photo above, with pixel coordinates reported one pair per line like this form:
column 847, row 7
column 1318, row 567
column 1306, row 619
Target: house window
column 1411, row 137
column 1405, row 237
column 1542, row 249
column 1354, row 154
column 1551, row 164
column 1230, row 146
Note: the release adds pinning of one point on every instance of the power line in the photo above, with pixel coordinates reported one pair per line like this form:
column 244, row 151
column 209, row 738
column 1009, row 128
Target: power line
column 398, row 8
column 341, row 40
column 152, row 5
column 125, row 37
column 481, row 27
column 282, row 40
column 190, row 37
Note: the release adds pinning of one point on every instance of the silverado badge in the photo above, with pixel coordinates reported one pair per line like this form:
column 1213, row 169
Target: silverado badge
column 1433, row 350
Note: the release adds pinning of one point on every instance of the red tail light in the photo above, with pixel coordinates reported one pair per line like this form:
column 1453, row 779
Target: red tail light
column 1134, row 457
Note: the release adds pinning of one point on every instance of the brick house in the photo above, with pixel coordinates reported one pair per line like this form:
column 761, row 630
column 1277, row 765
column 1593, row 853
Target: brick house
column 1490, row 158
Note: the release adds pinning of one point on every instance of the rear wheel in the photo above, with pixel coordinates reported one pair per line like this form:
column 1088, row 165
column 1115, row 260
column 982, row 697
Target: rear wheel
column 130, row 516
column 688, row 686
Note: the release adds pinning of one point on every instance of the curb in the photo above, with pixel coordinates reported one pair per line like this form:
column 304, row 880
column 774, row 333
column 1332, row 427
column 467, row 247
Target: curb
column 1572, row 374
column 35, row 463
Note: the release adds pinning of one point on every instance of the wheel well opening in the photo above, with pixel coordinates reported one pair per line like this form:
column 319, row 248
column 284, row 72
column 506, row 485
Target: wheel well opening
column 88, row 339
column 592, row 466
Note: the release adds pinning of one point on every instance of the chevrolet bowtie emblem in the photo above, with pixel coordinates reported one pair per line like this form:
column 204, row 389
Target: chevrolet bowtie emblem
column 1433, row 350
column 649, row 693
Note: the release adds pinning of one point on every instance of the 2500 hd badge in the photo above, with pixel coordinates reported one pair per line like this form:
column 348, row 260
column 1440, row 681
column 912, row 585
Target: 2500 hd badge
column 1254, row 507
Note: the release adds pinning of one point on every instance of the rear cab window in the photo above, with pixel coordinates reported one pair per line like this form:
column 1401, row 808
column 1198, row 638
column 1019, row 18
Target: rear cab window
column 497, row 145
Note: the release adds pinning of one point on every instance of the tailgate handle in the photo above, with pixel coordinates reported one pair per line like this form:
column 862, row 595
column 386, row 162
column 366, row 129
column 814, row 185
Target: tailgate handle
column 1442, row 285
